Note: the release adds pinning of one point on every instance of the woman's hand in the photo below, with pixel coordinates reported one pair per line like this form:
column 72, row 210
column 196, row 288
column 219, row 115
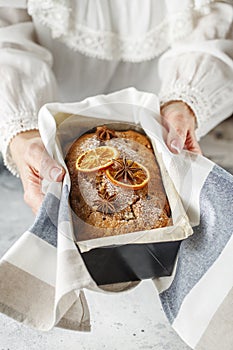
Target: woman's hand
column 180, row 121
column 34, row 164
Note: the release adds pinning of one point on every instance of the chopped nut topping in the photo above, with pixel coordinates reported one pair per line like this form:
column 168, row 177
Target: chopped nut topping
column 104, row 134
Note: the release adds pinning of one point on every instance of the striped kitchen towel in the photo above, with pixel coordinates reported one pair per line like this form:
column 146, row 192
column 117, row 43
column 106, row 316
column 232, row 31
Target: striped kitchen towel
column 198, row 298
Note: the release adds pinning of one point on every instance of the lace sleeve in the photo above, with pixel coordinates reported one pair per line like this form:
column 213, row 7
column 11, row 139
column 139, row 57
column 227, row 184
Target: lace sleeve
column 26, row 79
column 199, row 71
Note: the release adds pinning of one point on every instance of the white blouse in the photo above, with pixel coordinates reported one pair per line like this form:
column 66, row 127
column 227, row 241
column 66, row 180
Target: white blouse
column 66, row 50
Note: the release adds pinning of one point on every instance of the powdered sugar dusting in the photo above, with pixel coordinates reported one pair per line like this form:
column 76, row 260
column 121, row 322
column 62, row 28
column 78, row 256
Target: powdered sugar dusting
column 134, row 210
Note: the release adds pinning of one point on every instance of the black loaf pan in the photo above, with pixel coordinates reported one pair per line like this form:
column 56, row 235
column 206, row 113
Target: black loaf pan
column 131, row 262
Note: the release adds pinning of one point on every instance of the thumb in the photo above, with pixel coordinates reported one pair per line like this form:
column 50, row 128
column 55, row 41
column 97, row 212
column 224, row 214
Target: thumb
column 50, row 169
column 42, row 164
column 176, row 138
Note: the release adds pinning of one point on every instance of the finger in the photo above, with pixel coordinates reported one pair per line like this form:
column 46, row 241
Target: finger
column 50, row 169
column 41, row 163
column 192, row 144
column 31, row 182
column 176, row 136
column 33, row 197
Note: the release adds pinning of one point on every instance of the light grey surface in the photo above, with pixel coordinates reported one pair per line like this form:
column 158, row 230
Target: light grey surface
column 218, row 145
column 131, row 320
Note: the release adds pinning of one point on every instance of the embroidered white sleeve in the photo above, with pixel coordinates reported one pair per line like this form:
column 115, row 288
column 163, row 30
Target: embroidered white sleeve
column 200, row 70
column 26, row 82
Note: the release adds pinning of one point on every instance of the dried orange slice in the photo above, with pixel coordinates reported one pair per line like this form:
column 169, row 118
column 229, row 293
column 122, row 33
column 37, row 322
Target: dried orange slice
column 96, row 159
column 128, row 173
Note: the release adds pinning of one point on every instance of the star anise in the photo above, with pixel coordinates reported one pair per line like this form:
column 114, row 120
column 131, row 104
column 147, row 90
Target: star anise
column 104, row 134
column 125, row 169
column 104, row 203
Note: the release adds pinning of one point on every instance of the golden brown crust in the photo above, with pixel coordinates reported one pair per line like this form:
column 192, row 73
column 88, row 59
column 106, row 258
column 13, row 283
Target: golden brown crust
column 134, row 210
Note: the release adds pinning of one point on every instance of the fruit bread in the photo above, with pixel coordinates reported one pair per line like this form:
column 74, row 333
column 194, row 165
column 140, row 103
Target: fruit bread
column 116, row 184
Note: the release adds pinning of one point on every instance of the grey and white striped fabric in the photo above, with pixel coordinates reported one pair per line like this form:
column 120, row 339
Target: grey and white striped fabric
column 42, row 276
column 199, row 300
